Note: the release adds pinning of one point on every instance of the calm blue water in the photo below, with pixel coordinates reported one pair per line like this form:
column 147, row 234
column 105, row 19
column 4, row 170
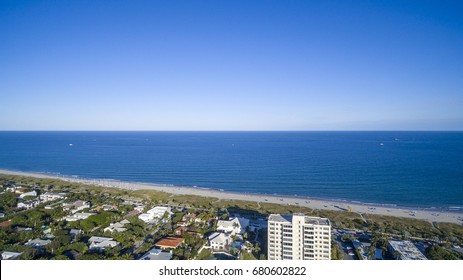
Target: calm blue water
column 422, row 169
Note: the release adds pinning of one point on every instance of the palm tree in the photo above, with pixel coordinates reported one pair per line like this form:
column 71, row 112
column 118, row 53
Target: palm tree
column 371, row 252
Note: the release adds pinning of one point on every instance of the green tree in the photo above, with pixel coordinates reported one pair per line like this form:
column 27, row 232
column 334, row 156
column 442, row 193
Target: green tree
column 436, row 252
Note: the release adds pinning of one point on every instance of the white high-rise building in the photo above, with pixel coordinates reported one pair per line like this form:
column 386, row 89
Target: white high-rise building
column 298, row 237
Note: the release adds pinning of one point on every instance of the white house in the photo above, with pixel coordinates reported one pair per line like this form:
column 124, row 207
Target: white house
column 147, row 218
column 48, row 196
column 100, row 243
column 78, row 216
column 76, row 206
column 31, row 193
column 38, row 243
column 155, row 213
column 11, row 189
column 28, row 204
column 7, row 255
column 117, row 227
column 156, row 254
column 73, row 233
column 233, row 225
column 159, row 211
column 139, row 208
column 219, row 240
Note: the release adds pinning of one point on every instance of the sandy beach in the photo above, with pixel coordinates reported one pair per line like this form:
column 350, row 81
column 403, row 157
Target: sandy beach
column 431, row 216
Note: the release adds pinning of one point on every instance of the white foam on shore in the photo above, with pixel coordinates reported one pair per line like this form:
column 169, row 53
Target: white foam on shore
column 361, row 208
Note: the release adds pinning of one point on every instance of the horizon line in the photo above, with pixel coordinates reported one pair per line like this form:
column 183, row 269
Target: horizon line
column 236, row 130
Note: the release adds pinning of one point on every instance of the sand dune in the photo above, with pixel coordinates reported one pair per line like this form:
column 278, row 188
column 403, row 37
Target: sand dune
column 431, row 216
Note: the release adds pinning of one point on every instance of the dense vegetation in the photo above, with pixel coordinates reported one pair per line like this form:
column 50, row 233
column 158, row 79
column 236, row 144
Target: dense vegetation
column 140, row 237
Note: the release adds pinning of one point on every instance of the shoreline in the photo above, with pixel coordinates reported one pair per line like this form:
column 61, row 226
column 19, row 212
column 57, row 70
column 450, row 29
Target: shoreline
column 313, row 203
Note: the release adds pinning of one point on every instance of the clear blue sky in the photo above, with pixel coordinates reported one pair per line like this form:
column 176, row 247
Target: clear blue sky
column 231, row 65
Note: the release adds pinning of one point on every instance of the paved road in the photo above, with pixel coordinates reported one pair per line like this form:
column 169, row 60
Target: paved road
column 337, row 237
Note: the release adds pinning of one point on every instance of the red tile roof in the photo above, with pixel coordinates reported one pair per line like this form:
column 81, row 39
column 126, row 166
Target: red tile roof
column 170, row 242
column 5, row 224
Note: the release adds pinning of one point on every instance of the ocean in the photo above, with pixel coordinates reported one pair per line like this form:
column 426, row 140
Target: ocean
column 411, row 169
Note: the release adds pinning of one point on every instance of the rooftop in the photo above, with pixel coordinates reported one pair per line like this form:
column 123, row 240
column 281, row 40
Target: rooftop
column 170, row 242
column 407, row 250
column 307, row 219
column 156, row 254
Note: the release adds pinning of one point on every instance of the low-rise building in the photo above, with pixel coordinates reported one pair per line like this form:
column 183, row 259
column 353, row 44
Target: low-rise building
column 8, row 255
column 73, row 233
column 31, row 193
column 156, row 254
column 108, row 207
column 405, row 250
column 170, row 242
column 49, row 196
column 190, row 217
column 219, row 240
column 160, row 211
column 233, row 225
column 117, row 227
column 5, row 224
column 28, row 204
column 100, row 243
column 140, row 208
column 181, row 230
column 155, row 213
column 76, row 206
column 38, row 243
column 78, row 216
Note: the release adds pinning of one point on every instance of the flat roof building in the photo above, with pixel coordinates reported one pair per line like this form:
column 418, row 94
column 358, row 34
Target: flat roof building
column 405, row 250
column 156, row 254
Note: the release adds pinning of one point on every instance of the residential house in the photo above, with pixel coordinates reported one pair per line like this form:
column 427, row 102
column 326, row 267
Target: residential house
column 19, row 190
column 73, row 233
column 72, row 254
column 48, row 196
column 117, row 227
column 11, row 189
column 31, row 193
column 38, row 243
column 159, row 211
column 53, row 206
column 147, row 218
column 100, row 243
column 155, row 213
column 140, row 208
column 182, row 224
column 8, row 255
column 170, row 242
column 108, row 207
column 233, row 225
column 5, row 224
column 156, row 254
column 76, row 206
column 181, row 230
column 28, row 204
column 405, row 250
column 190, row 218
column 19, row 228
column 78, row 216
column 2, row 215
column 219, row 240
